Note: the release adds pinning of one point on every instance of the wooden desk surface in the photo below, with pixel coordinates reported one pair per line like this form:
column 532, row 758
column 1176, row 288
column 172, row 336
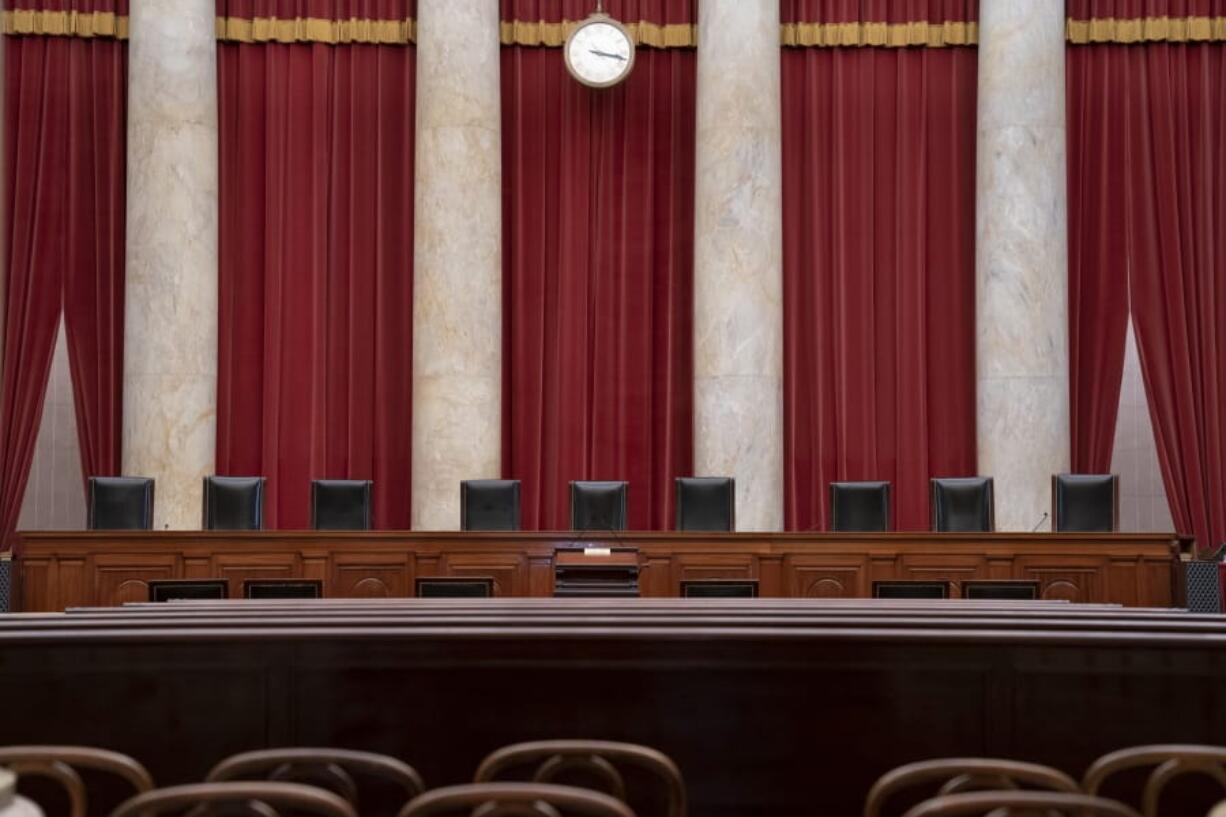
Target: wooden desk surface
column 57, row 570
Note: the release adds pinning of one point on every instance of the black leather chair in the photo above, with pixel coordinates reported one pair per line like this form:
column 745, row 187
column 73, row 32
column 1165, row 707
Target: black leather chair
column 859, row 506
column 489, row 504
column 1085, row 502
column 963, row 504
column 598, row 506
column 233, row 503
column 120, row 503
column 706, row 503
column 340, row 504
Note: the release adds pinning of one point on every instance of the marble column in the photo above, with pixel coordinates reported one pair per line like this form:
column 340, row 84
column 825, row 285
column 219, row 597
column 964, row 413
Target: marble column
column 738, row 258
column 170, row 341
column 457, row 260
column 1021, row 258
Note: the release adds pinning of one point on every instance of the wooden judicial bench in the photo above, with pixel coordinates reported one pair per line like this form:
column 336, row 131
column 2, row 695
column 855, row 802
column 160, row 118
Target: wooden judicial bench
column 69, row 569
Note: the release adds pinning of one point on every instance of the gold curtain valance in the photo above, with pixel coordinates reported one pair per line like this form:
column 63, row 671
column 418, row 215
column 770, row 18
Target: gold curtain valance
column 652, row 35
column 1146, row 30
column 65, row 23
column 316, row 30
column 887, row 35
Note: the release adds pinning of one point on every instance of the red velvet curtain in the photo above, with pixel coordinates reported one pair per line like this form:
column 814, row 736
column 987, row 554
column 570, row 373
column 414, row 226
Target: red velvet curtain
column 65, row 151
column 878, row 265
column 1147, row 125
column 598, row 222
column 316, row 269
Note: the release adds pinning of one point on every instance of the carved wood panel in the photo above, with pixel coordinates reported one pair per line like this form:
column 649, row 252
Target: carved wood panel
column 119, row 579
column 370, row 576
column 509, row 571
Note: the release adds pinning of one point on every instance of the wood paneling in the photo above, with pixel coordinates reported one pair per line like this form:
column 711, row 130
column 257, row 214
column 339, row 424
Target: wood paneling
column 60, row 570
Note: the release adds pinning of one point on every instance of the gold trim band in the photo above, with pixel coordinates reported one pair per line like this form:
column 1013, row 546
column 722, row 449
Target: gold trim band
column 1146, row 30
column 64, row 23
column 652, row 35
column 316, row 30
column 886, row 35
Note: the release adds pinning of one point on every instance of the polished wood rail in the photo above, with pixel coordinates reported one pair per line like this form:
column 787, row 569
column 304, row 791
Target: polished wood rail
column 61, row 570
column 768, row 706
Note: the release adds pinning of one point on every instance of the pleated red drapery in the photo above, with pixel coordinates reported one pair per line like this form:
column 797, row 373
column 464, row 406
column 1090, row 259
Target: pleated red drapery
column 878, row 258
column 316, row 235
column 1147, row 166
column 598, row 221
column 65, row 153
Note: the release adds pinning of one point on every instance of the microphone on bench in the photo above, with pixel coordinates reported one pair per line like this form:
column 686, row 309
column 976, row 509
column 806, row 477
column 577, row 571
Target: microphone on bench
column 1040, row 522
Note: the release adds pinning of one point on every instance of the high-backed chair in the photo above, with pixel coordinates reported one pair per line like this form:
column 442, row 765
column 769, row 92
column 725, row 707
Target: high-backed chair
column 332, row 769
column 120, row 503
column 963, row 504
column 1168, row 761
column 598, row 505
column 233, row 503
column 489, row 504
column 859, row 506
column 595, row 760
column 516, row 800
column 1007, row 803
column 253, row 797
column 953, row 775
column 706, row 503
column 60, row 763
column 340, row 504
column 1085, row 502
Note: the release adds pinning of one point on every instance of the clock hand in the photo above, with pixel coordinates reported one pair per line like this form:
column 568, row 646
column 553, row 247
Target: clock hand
column 606, row 54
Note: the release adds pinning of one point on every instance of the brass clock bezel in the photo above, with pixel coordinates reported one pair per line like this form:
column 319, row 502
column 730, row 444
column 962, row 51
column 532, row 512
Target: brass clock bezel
column 599, row 17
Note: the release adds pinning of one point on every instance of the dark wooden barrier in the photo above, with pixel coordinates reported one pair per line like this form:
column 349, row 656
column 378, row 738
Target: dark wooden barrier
column 60, row 570
column 768, row 706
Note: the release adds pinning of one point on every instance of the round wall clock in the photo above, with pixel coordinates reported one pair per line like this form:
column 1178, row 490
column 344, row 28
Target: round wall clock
column 600, row 51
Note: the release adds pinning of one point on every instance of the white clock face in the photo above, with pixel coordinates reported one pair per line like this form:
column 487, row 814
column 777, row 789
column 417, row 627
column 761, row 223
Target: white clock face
column 600, row 53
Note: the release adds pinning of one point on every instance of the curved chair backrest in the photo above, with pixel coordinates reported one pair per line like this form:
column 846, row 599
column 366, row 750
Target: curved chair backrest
column 1170, row 761
column 516, row 800
column 330, row 768
column 61, row 762
column 963, row 774
column 1008, row 803
column 598, row 758
column 260, row 798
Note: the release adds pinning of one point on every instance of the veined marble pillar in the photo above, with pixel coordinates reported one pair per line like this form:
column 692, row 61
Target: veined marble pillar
column 1021, row 258
column 457, row 288
column 170, row 341
column 738, row 258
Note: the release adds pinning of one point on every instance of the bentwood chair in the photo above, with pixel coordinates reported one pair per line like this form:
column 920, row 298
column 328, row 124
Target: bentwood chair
column 516, row 800
column 61, row 764
column 489, row 504
column 1169, row 761
column 233, row 503
column 598, row 505
column 963, row 504
column 332, row 769
column 120, row 503
column 260, row 798
column 1020, row 804
column 859, row 506
column 706, row 504
column 555, row 761
column 341, row 504
column 1085, row 502
column 955, row 775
